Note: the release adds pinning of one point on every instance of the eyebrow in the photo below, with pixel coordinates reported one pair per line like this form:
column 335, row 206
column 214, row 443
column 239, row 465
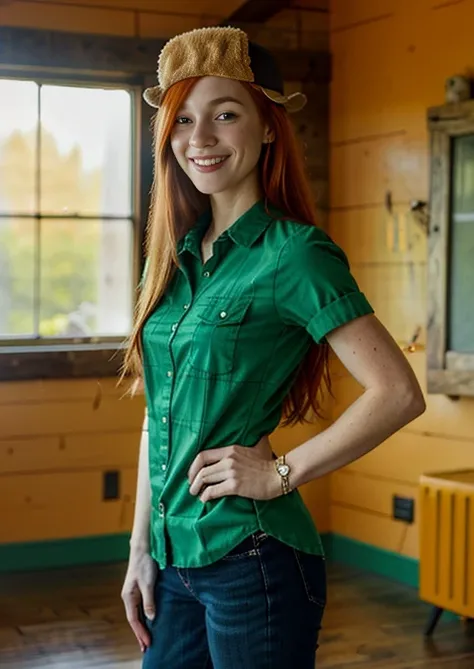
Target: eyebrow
column 219, row 101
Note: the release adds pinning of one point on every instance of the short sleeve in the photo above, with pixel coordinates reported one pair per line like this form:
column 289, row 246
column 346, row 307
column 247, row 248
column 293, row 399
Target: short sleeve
column 314, row 287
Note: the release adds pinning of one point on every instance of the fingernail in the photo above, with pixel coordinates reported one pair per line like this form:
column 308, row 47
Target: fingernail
column 150, row 616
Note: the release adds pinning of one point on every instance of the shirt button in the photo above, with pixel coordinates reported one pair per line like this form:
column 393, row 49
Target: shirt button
column 163, row 467
column 169, row 373
column 164, row 419
column 174, row 326
column 223, row 314
column 186, row 306
column 161, row 509
column 207, row 274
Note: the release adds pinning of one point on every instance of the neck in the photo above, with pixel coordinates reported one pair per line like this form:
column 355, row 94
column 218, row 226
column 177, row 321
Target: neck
column 228, row 207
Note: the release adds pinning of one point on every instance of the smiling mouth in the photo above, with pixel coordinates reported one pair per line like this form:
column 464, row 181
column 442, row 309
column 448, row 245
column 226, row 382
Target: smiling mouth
column 208, row 162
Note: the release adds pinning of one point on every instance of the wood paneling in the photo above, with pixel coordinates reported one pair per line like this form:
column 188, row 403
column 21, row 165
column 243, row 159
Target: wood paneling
column 60, row 390
column 71, row 417
column 368, row 492
column 387, row 71
column 385, row 76
column 107, row 450
column 397, row 293
column 168, row 25
column 363, row 171
column 152, row 18
column 38, row 507
column 346, row 13
column 375, row 529
column 192, row 7
column 62, row 17
column 408, row 454
column 371, row 235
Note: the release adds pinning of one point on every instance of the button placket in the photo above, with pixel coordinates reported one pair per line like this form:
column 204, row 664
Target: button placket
column 165, row 408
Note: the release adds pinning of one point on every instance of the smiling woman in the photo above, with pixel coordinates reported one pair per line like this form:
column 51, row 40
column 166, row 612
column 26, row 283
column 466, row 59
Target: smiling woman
column 223, row 137
column 241, row 298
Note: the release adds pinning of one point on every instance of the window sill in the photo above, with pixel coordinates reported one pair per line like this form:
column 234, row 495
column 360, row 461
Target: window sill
column 22, row 363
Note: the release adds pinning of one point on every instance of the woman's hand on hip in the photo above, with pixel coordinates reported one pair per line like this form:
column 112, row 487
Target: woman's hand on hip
column 138, row 593
column 235, row 470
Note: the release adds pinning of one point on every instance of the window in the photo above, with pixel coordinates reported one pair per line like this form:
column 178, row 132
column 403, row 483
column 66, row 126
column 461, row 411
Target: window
column 451, row 250
column 67, row 233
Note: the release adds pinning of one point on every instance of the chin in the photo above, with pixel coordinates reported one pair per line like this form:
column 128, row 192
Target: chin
column 211, row 189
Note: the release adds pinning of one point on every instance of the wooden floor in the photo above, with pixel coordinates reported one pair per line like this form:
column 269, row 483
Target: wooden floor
column 73, row 619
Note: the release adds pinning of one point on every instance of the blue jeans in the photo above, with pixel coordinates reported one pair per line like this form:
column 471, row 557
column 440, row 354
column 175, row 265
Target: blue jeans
column 259, row 607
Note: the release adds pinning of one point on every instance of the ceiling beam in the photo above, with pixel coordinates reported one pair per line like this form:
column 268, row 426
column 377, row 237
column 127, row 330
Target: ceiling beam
column 256, row 11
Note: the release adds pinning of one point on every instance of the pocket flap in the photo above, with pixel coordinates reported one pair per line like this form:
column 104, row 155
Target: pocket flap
column 225, row 311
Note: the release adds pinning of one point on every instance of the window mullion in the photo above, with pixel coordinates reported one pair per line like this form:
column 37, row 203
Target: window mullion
column 37, row 247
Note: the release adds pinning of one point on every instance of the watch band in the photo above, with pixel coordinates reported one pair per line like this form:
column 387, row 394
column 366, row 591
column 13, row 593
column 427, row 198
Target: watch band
column 283, row 470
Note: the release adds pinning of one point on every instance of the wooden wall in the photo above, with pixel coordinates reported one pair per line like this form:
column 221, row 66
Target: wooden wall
column 57, row 438
column 130, row 18
column 391, row 59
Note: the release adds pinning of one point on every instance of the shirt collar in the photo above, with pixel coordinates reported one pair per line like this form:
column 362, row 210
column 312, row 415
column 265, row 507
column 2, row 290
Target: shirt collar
column 244, row 231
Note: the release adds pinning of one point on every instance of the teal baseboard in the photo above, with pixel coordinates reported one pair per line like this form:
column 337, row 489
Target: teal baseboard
column 397, row 567
column 114, row 548
column 64, row 552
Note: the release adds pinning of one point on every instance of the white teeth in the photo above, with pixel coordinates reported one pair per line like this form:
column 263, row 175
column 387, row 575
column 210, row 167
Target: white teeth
column 206, row 163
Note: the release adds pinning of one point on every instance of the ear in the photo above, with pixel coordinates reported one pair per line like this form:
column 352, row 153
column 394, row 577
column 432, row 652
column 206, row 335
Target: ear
column 268, row 136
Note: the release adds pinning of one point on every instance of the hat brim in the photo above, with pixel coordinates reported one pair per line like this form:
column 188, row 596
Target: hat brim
column 153, row 96
column 292, row 103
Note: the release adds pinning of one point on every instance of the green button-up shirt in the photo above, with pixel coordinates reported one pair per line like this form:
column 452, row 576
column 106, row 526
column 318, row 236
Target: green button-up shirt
column 221, row 351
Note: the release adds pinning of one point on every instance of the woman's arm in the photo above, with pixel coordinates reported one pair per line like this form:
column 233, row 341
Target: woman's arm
column 392, row 398
column 140, row 538
column 138, row 587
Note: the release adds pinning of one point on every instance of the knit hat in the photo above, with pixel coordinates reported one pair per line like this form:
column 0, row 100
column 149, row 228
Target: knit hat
column 220, row 52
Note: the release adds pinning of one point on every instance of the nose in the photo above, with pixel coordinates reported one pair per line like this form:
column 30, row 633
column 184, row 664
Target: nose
column 202, row 136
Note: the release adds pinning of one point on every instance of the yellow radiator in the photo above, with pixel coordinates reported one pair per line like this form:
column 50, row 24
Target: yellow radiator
column 447, row 541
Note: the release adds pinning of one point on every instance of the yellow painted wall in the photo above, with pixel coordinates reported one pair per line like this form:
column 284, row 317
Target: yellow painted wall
column 58, row 437
column 131, row 18
column 391, row 59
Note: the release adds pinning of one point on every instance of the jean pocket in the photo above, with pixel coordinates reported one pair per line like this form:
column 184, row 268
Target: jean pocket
column 246, row 548
column 312, row 569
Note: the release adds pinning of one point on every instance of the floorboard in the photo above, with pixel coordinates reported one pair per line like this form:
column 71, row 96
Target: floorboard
column 73, row 619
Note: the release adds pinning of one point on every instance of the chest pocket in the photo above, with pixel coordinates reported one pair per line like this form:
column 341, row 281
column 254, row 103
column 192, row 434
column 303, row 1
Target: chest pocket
column 215, row 337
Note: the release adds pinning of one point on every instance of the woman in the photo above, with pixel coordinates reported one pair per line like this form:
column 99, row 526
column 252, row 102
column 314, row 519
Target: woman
column 241, row 299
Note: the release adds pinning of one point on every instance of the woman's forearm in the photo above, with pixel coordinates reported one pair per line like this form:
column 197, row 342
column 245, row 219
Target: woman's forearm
column 365, row 424
column 141, row 522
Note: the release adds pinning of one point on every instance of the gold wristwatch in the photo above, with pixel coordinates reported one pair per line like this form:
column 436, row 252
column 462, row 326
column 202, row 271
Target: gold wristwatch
column 283, row 470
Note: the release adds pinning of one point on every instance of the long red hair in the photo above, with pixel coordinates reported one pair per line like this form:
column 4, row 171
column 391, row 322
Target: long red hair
column 175, row 205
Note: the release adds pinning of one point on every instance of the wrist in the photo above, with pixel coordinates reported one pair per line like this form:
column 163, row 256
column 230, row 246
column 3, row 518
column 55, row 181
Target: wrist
column 283, row 475
column 138, row 545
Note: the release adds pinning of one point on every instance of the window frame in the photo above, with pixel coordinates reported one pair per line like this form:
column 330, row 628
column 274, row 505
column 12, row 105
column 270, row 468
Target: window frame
column 448, row 372
column 89, row 64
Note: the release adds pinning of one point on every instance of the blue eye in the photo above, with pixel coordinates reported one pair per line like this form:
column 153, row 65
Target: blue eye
column 180, row 119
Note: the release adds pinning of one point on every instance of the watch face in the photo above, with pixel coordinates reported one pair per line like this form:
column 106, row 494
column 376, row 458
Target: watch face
column 284, row 470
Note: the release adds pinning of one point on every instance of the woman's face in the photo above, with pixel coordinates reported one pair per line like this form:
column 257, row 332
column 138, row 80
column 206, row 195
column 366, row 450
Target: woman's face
column 217, row 138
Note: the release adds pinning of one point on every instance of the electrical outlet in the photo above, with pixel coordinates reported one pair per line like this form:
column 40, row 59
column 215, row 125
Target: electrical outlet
column 404, row 508
column 111, row 485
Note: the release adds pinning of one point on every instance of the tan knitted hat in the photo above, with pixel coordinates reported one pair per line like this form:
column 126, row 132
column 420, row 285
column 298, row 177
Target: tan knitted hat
column 220, row 52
